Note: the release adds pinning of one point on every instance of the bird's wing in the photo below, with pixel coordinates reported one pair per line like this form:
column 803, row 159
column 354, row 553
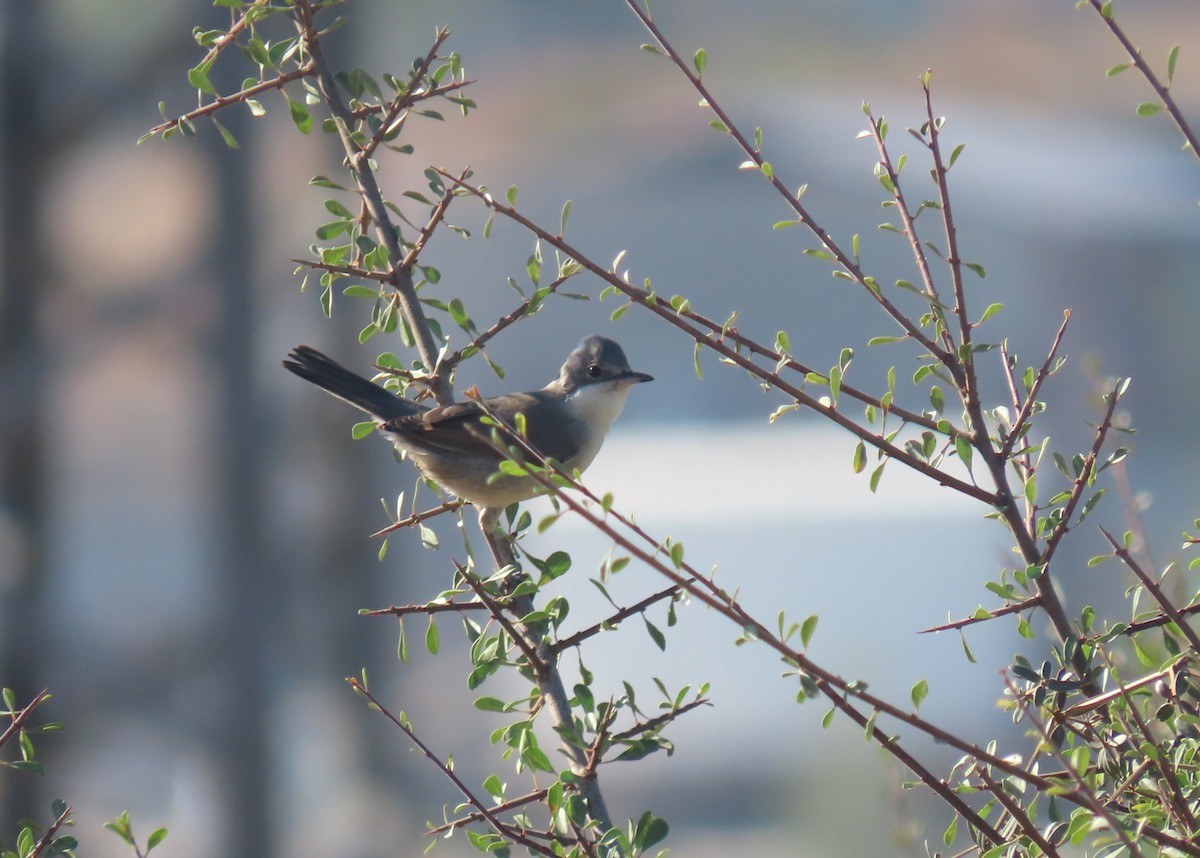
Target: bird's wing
column 458, row 428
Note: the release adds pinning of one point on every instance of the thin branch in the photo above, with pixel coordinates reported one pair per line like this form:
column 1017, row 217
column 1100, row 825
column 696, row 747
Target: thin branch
column 435, row 218
column 364, row 176
column 427, row 608
column 1086, row 473
column 1163, row 92
column 418, row 517
column 1156, row 591
column 504, row 806
column 220, row 102
column 505, row 321
column 1026, row 407
column 1174, row 799
column 48, row 838
column 644, row 298
column 404, row 100
column 1031, row 602
column 793, row 201
column 1017, row 813
column 1083, row 792
column 963, row 365
column 19, row 718
column 485, row 812
column 613, row 620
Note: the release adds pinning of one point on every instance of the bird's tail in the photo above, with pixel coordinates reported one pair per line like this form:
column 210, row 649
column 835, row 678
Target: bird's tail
column 331, row 376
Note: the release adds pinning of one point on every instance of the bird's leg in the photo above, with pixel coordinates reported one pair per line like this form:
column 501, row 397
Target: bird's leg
column 499, row 543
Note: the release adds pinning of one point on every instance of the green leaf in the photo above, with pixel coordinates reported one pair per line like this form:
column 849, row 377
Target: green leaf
column 657, row 636
column 954, row 153
column 562, row 220
column 919, row 692
column 951, row 831
column 301, row 118
column 807, row 628
column 156, row 837
column 719, row 125
column 1117, row 69
column 1172, row 58
column 1149, row 108
column 198, row 77
column 876, row 475
column 700, row 61
column 991, row 310
column 361, row 430
column 859, row 463
column 431, row 637
column 228, row 137
column 490, row 704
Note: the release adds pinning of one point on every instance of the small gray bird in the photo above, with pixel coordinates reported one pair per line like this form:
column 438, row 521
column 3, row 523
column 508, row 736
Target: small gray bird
column 565, row 420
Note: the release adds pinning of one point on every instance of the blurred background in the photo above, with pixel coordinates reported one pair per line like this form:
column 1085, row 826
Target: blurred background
column 184, row 527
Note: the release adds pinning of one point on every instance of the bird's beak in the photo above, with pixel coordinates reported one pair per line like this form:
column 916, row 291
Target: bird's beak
column 631, row 377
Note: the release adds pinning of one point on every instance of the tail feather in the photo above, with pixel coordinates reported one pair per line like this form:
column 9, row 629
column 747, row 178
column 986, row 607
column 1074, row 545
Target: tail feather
column 332, row 377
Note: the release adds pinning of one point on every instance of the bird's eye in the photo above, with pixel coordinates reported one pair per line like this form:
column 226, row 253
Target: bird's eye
column 594, row 370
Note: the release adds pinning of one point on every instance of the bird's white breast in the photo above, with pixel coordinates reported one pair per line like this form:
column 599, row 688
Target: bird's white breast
column 595, row 406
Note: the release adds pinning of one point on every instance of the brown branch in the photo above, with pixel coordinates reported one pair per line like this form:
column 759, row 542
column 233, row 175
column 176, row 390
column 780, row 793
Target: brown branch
column 645, row 298
column 1081, row 482
column 615, row 619
column 229, row 37
column 792, row 200
column 427, row 608
column 910, row 226
column 1031, row 602
column 348, row 270
column 435, row 217
column 222, row 101
column 414, row 98
column 1136, row 626
column 417, row 517
column 372, row 196
column 1026, row 407
column 1162, row 91
column 19, row 718
column 46, row 839
column 487, row 814
column 659, row 720
column 403, row 100
column 475, row 815
column 1174, row 799
column 1155, row 591
column 789, row 362
column 962, row 364
column 511, row 318
column 837, row 690
column 1083, row 793
column 1018, row 814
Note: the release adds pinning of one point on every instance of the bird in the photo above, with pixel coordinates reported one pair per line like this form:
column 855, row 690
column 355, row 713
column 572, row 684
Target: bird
column 566, row 420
